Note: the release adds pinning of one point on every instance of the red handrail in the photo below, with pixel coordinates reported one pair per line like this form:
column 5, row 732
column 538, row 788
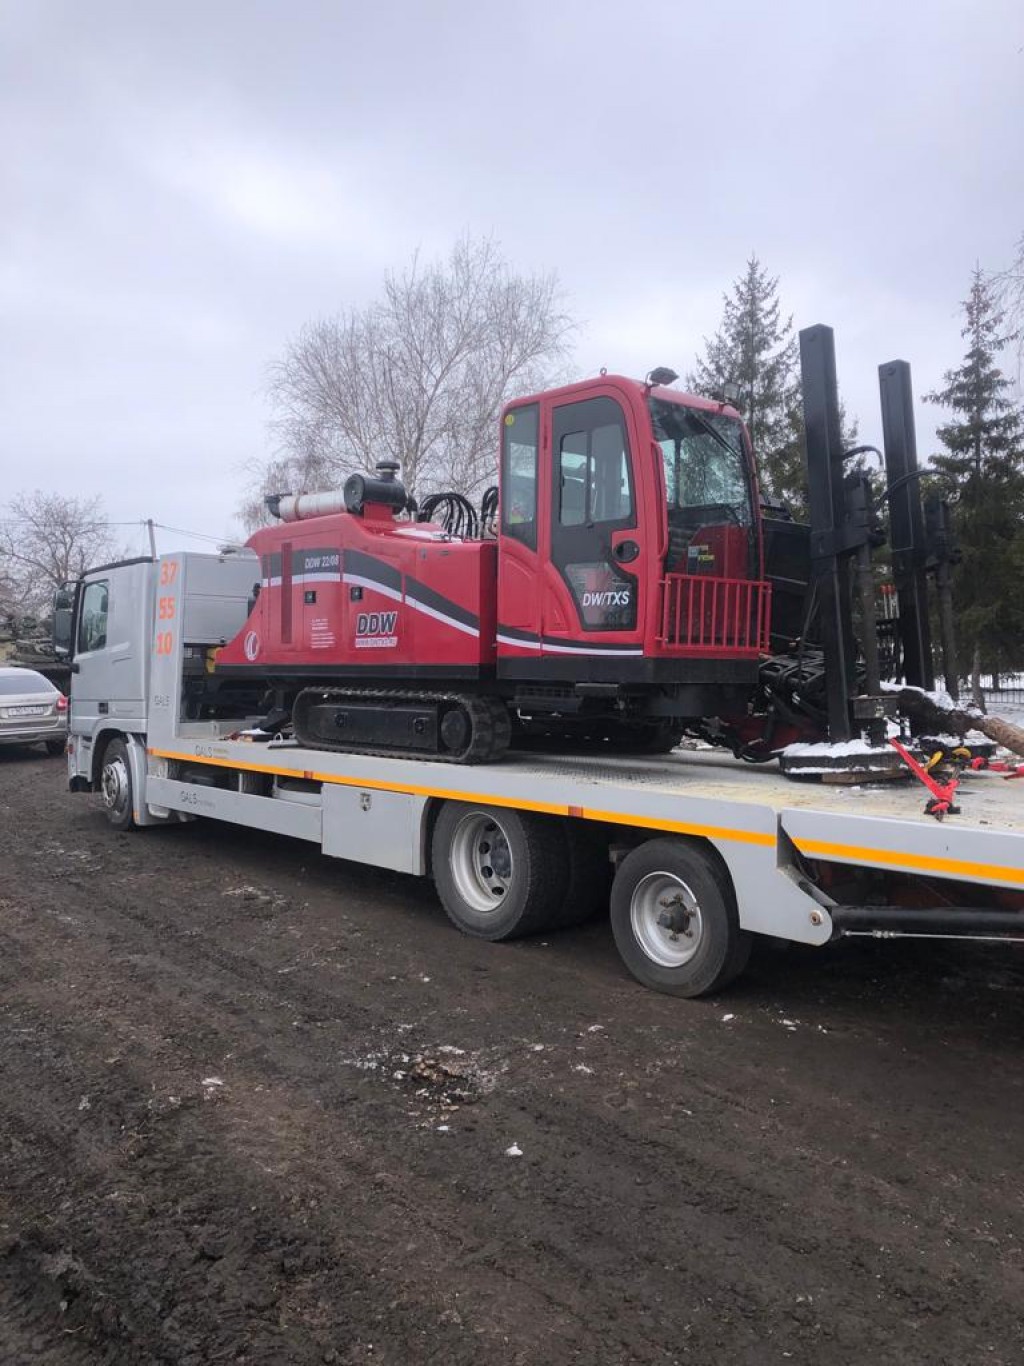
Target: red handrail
column 711, row 616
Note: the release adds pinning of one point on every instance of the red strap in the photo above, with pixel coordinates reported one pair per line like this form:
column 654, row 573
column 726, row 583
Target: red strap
column 942, row 792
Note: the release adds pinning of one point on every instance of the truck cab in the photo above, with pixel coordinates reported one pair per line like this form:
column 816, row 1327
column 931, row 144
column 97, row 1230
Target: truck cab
column 103, row 624
column 135, row 634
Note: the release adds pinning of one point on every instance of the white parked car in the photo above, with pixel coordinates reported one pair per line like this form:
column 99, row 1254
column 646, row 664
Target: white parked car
column 32, row 710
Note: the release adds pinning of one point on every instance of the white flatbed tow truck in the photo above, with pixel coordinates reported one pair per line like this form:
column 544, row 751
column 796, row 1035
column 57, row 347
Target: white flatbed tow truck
column 695, row 853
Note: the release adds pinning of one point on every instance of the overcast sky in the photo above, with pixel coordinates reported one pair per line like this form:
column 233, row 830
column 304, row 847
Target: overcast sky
column 184, row 184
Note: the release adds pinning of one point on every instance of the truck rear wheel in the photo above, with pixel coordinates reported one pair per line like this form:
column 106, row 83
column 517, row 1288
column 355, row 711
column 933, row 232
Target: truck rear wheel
column 674, row 919
column 499, row 873
column 116, row 786
column 590, row 874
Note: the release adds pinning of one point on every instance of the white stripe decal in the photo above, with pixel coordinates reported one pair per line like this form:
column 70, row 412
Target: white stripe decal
column 565, row 649
column 440, row 616
column 520, row 644
column 275, row 582
column 380, row 588
column 583, row 650
column 318, row 576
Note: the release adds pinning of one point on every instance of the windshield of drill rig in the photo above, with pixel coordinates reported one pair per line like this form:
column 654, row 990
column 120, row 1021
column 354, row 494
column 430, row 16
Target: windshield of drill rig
column 706, row 475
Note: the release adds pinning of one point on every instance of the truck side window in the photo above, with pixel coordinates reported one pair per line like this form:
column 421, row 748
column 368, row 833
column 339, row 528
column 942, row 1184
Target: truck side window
column 92, row 624
column 519, row 475
column 594, row 484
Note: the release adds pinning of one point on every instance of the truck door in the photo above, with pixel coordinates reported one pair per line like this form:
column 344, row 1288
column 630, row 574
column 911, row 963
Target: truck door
column 591, row 583
column 92, row 681
column 111, row 647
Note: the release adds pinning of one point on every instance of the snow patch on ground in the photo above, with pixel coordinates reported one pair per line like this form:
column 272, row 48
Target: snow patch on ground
column 821, row 749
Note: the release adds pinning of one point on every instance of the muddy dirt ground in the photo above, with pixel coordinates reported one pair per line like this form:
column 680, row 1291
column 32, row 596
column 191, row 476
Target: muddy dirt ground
column 257, row 1107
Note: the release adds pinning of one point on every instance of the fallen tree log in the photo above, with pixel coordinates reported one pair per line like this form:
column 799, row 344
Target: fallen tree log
column 946, row 715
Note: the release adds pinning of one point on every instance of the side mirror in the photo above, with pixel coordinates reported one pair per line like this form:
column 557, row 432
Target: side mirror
column 63, row 619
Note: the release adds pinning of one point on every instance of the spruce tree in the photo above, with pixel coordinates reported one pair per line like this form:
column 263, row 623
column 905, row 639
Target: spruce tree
column 756, row 350
column 982, row 470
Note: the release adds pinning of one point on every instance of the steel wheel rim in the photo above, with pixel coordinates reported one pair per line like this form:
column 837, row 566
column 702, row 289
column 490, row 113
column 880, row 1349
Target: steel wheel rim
column 481, row 863
column 114, row 786
column 661, row 896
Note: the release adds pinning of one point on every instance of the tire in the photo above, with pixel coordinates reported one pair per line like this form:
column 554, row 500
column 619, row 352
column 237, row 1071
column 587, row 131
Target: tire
column 116, row 787
column 500, row 874
column 705, row 949
column 55, row 747
column 590, row 873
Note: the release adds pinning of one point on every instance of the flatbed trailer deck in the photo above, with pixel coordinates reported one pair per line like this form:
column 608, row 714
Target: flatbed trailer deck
column 706, row 850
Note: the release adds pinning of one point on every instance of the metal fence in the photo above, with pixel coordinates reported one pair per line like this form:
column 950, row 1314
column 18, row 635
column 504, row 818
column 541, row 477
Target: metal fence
column 1009, row 694
column 1003, row 697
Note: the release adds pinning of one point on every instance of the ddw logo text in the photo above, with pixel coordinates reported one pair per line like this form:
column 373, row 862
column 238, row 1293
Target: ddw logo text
column 376, row 623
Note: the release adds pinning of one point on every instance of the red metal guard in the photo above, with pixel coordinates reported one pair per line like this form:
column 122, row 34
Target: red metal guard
column 710, row 616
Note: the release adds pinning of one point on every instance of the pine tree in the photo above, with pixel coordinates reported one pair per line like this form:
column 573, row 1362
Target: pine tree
column 755, row 349
column 982, row 470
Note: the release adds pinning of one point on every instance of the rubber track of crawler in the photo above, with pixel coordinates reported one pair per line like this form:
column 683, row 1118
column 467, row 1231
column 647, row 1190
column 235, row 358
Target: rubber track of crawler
column 490, row 727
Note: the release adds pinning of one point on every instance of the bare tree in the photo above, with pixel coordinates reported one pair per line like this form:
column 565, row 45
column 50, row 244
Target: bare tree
column 419, row 376
column 10, row 596
column 46, row 539
column 1009, row 292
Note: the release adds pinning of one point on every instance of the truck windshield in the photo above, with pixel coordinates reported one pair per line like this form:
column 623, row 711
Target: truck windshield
column 705, row 465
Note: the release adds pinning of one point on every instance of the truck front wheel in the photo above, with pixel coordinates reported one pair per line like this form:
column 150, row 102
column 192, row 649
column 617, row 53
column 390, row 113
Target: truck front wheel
column 674, row 918
column 116, row 785
column 499, row 873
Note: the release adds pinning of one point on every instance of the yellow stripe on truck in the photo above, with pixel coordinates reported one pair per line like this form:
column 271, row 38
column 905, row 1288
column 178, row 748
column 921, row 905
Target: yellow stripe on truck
column 955, row 867
column 950, row 867
column 515, row 803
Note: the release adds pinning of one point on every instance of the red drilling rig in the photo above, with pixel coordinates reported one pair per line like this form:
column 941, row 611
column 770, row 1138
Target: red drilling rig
column 611, row 588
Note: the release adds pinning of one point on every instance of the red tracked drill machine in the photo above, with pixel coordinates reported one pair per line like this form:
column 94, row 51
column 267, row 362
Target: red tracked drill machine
column 617, row 596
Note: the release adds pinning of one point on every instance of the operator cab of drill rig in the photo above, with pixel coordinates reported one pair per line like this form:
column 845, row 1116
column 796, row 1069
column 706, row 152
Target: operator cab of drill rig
column 629, row 550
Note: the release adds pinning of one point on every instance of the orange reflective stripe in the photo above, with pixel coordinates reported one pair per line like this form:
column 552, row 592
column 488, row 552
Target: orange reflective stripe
column 513, row 803
column 956, row 867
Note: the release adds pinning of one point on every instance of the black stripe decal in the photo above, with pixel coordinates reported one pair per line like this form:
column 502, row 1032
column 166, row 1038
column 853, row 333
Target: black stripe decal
column 419, row 592
column 527, row 637
column 369, row 567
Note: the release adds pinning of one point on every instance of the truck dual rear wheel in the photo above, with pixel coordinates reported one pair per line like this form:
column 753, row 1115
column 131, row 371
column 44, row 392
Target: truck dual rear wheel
column 590, row 874
column 674, row 919
column 499, row 873
column 116, row 786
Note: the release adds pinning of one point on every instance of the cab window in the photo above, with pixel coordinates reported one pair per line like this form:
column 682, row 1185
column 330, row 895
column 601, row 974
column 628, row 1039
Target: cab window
column 519, row 475
column 92, row 624
column 593, row 468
